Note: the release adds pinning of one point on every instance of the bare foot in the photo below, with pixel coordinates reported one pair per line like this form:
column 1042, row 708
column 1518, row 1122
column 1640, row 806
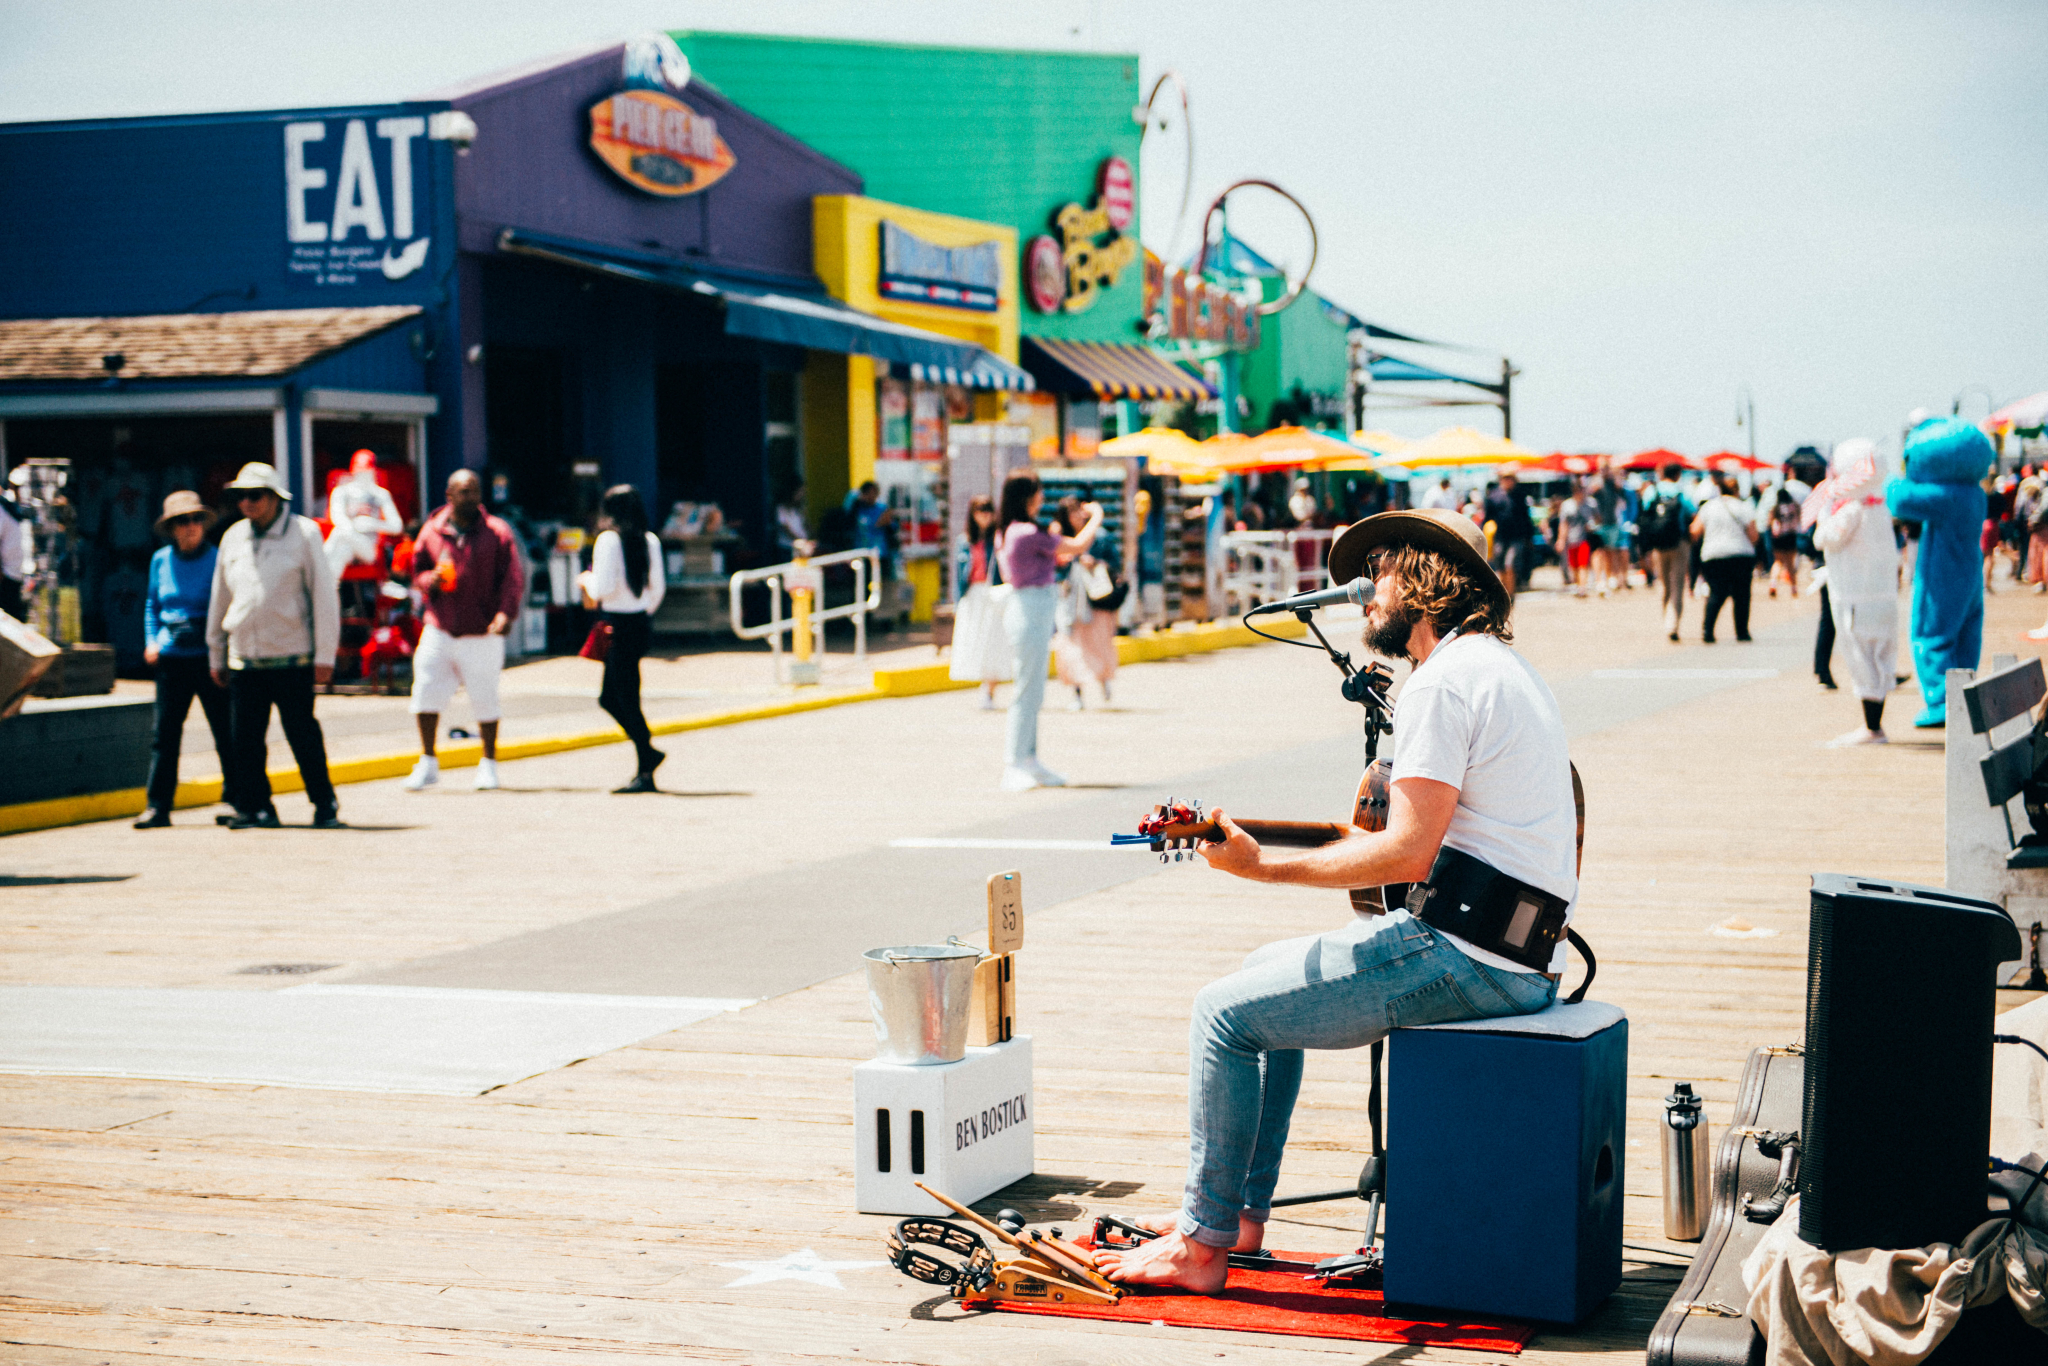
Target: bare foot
column 1251, row 1236
column 1168, row 1260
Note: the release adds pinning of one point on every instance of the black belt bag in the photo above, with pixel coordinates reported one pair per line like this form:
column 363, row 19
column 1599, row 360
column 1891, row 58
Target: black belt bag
column 1490, row 910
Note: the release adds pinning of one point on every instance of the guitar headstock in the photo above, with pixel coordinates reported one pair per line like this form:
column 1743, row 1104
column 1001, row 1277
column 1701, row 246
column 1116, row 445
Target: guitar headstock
column 1175, row 828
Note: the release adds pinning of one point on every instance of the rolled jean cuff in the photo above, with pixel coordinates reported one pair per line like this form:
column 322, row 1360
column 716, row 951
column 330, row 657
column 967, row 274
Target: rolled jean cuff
column 1207, row 1237
column 1257, row 1216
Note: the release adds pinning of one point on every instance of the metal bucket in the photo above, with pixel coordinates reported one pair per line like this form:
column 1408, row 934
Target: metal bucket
column 919, row 994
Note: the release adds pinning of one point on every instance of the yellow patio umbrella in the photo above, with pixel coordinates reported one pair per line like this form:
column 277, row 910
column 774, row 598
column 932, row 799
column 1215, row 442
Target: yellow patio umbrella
column 1384, row 444
column 1464, row 446
column 1154, row 443
column 1298, row 446
column 1166, row 451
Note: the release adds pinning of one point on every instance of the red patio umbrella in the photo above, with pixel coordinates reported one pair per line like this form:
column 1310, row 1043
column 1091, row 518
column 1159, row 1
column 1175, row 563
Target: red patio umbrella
column 1731, row 462
column 1567, row 462
column 1657, row 458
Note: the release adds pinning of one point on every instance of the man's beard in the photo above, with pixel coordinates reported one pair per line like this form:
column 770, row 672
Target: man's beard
column 1389, row 637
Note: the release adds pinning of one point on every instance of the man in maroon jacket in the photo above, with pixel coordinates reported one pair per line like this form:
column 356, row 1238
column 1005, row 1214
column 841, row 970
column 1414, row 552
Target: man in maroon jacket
column 469, row 570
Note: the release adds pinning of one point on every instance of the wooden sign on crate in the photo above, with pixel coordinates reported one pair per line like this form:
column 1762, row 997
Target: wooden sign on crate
column 995, row 978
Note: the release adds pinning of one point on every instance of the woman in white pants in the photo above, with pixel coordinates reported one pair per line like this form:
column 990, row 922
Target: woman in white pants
column 1031, row 556
column 1853, row 529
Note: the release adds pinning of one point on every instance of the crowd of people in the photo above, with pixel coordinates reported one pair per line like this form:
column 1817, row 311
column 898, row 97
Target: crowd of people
column 252, row 622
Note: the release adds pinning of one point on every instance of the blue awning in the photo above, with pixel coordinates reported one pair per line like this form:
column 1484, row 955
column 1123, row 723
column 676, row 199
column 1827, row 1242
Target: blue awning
column 1391, row 367
column 788, row 314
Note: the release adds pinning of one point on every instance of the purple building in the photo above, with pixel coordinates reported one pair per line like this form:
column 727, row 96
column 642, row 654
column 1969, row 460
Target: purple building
column 566, row 276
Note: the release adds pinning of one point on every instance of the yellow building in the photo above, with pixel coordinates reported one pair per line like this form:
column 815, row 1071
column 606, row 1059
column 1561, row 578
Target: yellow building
column 864, row 419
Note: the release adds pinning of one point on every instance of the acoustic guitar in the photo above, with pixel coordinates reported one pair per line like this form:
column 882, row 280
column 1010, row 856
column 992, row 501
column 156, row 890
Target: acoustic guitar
column 1175, row 826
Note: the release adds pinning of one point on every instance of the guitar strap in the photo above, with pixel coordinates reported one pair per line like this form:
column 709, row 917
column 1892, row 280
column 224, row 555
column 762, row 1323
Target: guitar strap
column 1480, row 904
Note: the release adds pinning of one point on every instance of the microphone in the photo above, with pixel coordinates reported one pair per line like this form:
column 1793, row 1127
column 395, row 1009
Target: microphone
column 1358, row 593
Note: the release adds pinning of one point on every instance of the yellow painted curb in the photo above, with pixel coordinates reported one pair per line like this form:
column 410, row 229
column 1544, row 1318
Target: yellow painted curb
column 908, row 682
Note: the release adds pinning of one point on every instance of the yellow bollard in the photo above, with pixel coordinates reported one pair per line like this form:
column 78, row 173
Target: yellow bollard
column 802, row 576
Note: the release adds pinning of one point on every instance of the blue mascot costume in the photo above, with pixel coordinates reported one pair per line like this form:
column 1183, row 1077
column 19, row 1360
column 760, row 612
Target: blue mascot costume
column 1946, row 461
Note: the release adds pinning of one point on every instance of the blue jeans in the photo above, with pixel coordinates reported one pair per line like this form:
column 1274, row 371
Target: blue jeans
column 1343, row 989
column 1028, row 618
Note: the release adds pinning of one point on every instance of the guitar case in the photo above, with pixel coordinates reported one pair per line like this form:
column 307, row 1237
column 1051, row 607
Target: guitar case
column 1705, row 1323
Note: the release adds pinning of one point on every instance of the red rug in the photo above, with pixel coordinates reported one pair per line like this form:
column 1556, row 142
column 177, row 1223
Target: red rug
column 1279, row 1302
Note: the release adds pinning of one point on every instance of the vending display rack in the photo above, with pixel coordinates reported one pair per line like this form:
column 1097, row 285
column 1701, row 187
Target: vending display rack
column 1185, row 563
column 1112, row 483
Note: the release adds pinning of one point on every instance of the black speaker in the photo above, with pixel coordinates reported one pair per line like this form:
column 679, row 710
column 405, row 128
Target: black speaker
column 1900, row 994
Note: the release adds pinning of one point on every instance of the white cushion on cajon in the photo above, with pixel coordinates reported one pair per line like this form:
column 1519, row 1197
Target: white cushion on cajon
column 1581, row 1021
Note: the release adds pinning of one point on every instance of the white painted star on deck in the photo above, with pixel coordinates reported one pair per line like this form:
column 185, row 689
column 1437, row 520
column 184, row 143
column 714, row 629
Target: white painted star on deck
column 796, row 1266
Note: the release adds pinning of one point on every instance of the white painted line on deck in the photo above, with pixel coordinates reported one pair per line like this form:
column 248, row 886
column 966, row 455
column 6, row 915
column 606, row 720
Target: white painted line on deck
column 1684, row 675
column 489, row 996
column 940, row 842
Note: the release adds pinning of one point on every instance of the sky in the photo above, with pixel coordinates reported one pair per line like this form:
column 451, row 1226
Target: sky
column 1839, row 210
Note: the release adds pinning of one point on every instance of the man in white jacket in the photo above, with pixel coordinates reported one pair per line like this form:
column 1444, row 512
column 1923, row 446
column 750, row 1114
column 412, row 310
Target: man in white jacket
column 1853, row 528
column 271, row 629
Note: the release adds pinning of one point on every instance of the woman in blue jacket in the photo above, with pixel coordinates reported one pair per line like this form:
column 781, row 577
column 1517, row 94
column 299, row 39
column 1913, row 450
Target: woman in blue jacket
column 174, row 643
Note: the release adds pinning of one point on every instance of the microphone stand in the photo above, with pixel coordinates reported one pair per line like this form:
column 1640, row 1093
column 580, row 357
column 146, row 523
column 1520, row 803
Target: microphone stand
column 1367, row 687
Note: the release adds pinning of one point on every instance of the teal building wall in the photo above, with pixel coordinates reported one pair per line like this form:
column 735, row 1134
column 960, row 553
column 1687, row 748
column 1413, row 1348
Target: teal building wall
column 1002, row 136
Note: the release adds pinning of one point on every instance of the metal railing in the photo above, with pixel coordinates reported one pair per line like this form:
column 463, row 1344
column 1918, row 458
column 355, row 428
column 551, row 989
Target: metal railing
column 867, row 596
column 1266, row 566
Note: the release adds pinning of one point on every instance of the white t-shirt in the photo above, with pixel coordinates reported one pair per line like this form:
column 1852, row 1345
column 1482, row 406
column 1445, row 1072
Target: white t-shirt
column 1721, row 532
column 15, row 559
column 608, row 576
column 1477, row 716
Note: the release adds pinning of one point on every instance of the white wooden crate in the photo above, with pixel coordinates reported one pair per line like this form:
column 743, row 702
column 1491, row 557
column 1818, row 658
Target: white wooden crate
column 964, row 1128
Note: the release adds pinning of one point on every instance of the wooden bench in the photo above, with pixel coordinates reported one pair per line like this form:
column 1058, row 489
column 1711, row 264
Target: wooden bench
column 1991, row 755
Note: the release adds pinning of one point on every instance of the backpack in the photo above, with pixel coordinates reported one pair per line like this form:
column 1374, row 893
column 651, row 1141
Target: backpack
column 1661, row 525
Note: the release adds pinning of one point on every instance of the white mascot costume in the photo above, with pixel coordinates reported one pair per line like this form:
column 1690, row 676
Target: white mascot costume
column 361, row 510
column 1852, row 527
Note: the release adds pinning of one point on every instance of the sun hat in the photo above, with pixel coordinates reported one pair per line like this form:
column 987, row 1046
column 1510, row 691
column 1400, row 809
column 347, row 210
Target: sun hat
column 183, row 503
column 1438, row 529
column 257, row 475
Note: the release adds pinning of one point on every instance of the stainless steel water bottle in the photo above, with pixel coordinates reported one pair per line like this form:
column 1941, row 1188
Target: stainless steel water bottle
column 1686, row 1165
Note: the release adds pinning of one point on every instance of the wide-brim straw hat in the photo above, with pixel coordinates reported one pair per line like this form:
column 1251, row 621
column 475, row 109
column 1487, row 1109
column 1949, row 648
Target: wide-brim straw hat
column 257, row 475
column 183, row 503
column 1438, row 529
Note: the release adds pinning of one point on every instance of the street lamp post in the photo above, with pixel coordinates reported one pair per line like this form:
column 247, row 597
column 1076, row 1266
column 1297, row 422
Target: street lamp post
column 1745, row 415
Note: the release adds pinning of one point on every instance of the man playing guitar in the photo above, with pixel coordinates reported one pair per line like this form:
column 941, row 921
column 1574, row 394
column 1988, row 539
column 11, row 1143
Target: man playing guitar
column 1480, row 815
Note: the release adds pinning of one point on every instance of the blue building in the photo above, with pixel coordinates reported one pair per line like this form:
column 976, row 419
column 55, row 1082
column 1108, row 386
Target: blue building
column 567, row 276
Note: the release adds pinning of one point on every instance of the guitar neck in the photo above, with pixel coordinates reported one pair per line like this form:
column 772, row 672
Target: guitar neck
column 1295, row 834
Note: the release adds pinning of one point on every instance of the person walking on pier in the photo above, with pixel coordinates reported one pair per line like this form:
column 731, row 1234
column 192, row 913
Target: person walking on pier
column 1726, row 529
column 1031, row 556
column 1854, row 530
column 469, row 574
column 272, row 628
column 626, row 582
column 174, row 611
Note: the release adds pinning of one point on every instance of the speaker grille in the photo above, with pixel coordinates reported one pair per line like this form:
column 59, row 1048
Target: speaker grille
column 1897, row 1117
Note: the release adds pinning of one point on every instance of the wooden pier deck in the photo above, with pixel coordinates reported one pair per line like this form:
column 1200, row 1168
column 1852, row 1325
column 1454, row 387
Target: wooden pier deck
column 602, row 1211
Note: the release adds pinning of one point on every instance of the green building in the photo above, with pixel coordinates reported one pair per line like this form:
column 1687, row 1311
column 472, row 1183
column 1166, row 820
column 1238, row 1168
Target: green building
column 1006, row 137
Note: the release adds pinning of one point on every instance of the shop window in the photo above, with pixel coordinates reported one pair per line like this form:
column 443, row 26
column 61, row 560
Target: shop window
column 121, row 468
column 711, row 446
column 784, row 436
column 526, row 430
column 335, row 443
column 892, row 419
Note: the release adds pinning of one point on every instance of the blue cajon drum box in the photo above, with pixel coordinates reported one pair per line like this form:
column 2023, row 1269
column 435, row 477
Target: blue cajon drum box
column 1504, row 1163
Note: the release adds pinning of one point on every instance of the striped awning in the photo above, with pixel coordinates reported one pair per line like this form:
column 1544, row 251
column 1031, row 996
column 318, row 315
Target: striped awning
column 1107, row 370
column 989, row 371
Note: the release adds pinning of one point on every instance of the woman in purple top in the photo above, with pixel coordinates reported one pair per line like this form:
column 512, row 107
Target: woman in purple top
column 1031, row 556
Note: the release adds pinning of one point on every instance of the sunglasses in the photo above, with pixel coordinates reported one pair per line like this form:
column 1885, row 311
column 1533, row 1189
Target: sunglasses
column 252, row 495
column 188, row 519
